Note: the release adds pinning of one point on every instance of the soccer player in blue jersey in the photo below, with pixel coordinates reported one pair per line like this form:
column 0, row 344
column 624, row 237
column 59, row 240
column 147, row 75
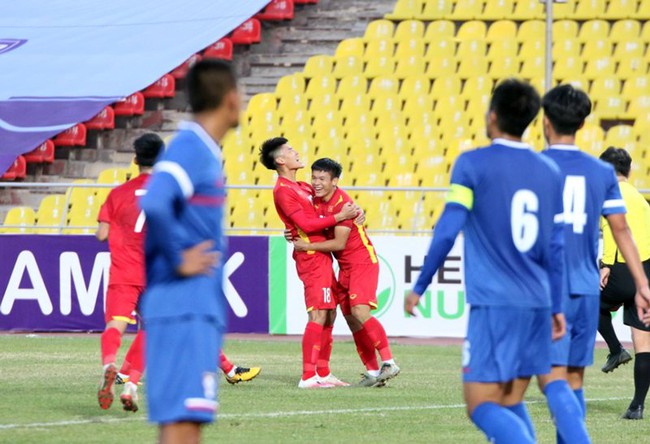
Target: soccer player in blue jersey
column 184, row 304
column 507, row 200
column 590, row 190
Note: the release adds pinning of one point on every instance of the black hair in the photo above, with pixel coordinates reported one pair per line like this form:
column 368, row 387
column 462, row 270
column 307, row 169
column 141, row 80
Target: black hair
column 269, row 151
column 147, row 147
column 516, row 104
column 329, row 166
column 619, row 158
column 208, row 82
column 566, row 108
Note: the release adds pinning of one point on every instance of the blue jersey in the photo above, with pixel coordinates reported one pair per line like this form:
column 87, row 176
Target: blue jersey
column 184, row 206
column 590, row 190
column 515, row 203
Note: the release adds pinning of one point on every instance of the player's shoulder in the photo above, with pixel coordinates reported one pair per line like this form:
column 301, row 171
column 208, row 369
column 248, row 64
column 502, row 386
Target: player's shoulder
column 341, row 197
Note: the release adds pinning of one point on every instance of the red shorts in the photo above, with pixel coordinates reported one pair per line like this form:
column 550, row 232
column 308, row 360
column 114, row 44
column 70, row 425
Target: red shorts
column 122, row 302
column 316, row 273
column 357, row 286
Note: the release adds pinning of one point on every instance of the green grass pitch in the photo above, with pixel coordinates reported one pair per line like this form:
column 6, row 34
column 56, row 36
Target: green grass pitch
column 48, row 395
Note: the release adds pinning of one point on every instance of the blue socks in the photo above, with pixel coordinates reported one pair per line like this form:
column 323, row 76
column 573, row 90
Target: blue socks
column 580, row 394
column 567, row 413
column 500, row 425
column 522, row 412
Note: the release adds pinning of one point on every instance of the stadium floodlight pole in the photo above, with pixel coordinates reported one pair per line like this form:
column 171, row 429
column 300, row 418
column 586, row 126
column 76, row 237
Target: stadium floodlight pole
column 548, row 65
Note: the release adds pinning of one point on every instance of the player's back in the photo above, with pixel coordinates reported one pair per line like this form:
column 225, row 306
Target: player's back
column 516, row 196
column 590, row 189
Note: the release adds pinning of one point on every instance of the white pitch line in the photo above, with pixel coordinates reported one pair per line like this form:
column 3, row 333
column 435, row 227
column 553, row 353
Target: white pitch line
column 102, row 420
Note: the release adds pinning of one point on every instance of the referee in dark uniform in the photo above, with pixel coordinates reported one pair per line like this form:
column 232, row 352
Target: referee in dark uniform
column 617, row 285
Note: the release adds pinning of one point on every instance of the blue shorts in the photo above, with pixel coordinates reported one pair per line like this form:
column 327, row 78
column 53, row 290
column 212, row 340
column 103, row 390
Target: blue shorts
column 182, row 356
column 506, row 343
column 576, row 348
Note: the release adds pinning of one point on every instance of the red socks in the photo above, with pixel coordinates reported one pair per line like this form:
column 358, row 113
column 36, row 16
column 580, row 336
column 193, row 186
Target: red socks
column 323, row 363
column 366, row 349
column 110, row 343
column 311, row 341
column 135, row 358
column 377, row 335
column 224, row 364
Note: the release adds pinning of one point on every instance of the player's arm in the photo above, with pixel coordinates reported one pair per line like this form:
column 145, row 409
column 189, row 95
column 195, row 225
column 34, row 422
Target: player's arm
column 102, row 231
column 290, row 205
column 341, row 235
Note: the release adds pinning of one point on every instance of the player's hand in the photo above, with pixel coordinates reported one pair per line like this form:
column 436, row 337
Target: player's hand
column 198, row 259
column 300, row 245
column 642, row 302
column 604, row 277
column 410, row 302
column 288, row 236
column 559, row 326
column 348, row 211
column 361, row 218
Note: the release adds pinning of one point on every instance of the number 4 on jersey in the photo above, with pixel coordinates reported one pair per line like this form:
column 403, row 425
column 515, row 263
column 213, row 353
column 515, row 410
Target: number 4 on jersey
column 574, row 201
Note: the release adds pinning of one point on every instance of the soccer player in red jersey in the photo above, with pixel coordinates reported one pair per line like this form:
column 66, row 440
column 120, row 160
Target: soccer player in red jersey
column 121, row 222
column 293, row 202
column 358, row 274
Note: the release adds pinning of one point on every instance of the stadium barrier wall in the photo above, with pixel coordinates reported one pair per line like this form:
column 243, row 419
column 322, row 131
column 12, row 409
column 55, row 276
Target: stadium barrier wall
column 58, row 283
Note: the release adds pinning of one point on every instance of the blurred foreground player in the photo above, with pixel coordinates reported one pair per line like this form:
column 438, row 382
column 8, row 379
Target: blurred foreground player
column 121, row 222
column 184, row 304
column 294, row 204
column 358, row 274
column 507, row 200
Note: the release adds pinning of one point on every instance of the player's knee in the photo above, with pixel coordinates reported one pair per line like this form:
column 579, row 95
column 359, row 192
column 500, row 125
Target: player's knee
column 361, row 313
column 318, row 316
column 353, row 323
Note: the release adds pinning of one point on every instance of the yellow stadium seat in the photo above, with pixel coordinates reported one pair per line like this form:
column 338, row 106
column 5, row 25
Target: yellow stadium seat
column 598, row 67
column 636, row 86
column 379, row 48
column 262, row 103
column 410, row 47
column 133, row 171
column 414, row 86
column 112, row 176
column 471, row 48
column 350, row 47
column 384, row 85
column 502, row 48
column 379, row 29
column 380, row 66
column 409, row 66
column 406, row 10
column 590, row 139
column 531, row 29
column 440, row 28
column 444, row 47
column 620, row 135
column 355, row 103
column 319, row 85
column 639, row 106
column 531, row 48
column 436, row 10
column 567, row 68
column 478, row 85
column 589, row 9
column 562, row 10
column 532, row 67
column 443, row 66
column 565, row 29
column 593, row 30
column 595, row 48
column 77, row 194
column 385, row 103
column 448, row 105
column 498, row 9
column 625, row 31
column 528, row 10
column 352, row 85
column 319, row 65
column 23, row 216
column 612, row 107
column 347, row 66
column 409, row 29
column 631, row 67
column 603, row 87
column 369, row 178
column 290, row 85
column 81, row 223
column 477, row 108
column 434, row 203
column 504, row 67
column 643, row 12
column 323, row 104
column 444, row 86
column 359, row 125
column 417, row 104
column 472, row 30
column 51, row 212
column 467, row 9
column 566, row 48
column 628, row 49
column 621, row 9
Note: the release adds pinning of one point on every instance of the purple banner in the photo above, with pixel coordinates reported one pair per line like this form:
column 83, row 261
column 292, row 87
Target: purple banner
column 58, row 283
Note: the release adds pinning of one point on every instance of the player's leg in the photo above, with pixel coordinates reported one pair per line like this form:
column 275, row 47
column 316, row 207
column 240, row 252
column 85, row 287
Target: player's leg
column 641, row 341
column 513, row 400
column 180, row 433
column 234, row 373
column 620, row 290
column 323, row 362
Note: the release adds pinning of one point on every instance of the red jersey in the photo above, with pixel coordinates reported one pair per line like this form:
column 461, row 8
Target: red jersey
column 126, row 233
column 294, row 204
column 359, row 248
